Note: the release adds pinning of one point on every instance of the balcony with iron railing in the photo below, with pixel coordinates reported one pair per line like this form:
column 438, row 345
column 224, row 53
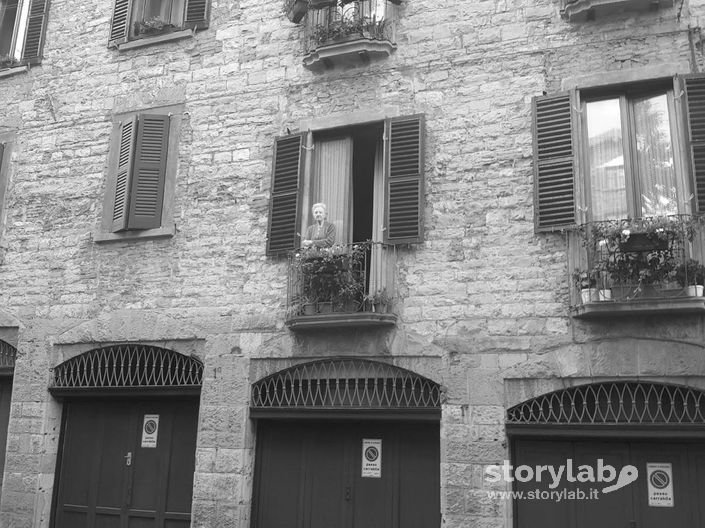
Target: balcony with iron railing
column 348, row 32
column 341, row 286
column 582, row 10
column 637, row 266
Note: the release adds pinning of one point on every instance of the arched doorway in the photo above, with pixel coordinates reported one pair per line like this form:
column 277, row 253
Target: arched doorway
column 128, row 438
column 650, row 434
column 346, row 443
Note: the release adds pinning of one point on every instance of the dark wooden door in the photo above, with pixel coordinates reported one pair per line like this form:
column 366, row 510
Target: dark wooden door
column 111, row 476
column 627, row 507
column 5, row 398
column 309, row 475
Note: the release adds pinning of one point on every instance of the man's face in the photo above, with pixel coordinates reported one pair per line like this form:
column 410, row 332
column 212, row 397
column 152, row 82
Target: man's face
column 319, row 214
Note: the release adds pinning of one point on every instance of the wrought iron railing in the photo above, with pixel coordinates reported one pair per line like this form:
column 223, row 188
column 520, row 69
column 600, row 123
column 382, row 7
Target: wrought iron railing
column 8, row 355
column 641, row 258
column 346, row 383
column 129, row 365
column 329, row 22
column 341, row 279
column 629, row 402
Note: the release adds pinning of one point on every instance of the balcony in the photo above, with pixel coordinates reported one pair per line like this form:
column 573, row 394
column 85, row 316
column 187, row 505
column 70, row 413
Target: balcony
column 637, row 266
column 341, row 286
column 581, row 10
column 349, row 32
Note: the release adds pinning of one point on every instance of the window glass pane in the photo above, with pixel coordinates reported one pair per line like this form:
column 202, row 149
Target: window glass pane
column 608, row 193
column 8, row 14
column 166, row 11
column 654, row 157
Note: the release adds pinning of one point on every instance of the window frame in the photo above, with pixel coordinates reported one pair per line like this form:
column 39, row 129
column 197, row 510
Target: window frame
column 167, row 226
column 560, row 148
column 196, row 15
column 34, row 18
column 627, row 96
column 290, row 186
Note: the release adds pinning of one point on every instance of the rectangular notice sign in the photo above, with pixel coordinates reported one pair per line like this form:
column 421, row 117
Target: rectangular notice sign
column 150, row 430
column 372, row 457
column 659, row 479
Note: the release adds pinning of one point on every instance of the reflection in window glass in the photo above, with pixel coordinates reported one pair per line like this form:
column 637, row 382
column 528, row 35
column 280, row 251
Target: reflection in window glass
column 608, row 193
column 654, row 157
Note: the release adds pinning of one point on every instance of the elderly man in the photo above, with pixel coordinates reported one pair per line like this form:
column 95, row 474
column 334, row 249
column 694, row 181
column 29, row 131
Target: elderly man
column 321, row 233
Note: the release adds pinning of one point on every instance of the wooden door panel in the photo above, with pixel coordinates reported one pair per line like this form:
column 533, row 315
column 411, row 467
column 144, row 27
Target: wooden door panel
column 419, row 471
column 98, row 489
column 685, row 494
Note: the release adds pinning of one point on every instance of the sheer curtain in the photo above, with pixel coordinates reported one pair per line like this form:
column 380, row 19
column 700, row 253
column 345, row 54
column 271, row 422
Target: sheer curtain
column 654, row 157
column 332, row 184
column 377, row 260
column 608, row 192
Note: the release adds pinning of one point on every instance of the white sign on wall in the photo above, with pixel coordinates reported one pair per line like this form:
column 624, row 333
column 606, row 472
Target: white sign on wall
column 150, row 430
column 372, row 457
column 659, row 477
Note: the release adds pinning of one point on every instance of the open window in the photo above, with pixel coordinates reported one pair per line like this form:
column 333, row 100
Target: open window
column 370, row 178
column 156, row 20
column 22, row 26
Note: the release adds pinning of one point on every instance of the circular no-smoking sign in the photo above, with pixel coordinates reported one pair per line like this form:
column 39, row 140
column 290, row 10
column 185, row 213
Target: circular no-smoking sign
column 659, row 479
column 371, row 453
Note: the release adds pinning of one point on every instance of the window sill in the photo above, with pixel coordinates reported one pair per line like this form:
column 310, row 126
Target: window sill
column 146, row 234
column 581, row 10
column 348, row 53
column 609, row 309
column 14, row 70
column 157, row 39
column 340, row 320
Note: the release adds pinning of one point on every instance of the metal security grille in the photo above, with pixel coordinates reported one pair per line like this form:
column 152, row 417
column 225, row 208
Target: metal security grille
column 346, row 384
column 613, row 403
column 129, row 366
column 8, row 355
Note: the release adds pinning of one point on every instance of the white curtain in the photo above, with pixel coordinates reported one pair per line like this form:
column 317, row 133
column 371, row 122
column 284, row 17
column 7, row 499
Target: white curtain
column 332, row 184
column 377, row 258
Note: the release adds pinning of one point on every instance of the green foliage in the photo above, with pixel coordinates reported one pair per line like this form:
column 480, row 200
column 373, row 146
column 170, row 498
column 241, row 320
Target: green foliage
column 690, row 273
column 332, row 274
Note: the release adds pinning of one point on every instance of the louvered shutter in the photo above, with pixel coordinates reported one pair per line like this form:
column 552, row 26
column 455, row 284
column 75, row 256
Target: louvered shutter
column 2, row 151
column 148, row 175
column 404, row 180
column 694, row 88
column 196, row 14
column 34, row 35
column 120, row 24
column 126, row 150
column 554, row 162
column 284, row 205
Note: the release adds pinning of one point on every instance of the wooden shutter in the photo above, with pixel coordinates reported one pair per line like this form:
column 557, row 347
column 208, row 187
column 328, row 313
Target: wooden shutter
column 196, row 14
column 694, row 88
column 404, row 180
column 284, row 205
column 2, row 151
column 126, row 150
column 34, row 35
column 554, row 162
column 148, row 175
column 120, row 24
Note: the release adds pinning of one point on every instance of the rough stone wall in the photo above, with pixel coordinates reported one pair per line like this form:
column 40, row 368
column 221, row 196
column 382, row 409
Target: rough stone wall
column 484, row 301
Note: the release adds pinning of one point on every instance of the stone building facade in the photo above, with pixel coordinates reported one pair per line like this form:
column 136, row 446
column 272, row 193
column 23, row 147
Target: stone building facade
column 485, row 314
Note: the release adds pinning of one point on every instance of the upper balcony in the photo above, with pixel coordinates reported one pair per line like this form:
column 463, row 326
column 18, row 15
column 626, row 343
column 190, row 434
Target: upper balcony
column 341, row 286
column 637, row 266
column 349, row 32
column 581, row 10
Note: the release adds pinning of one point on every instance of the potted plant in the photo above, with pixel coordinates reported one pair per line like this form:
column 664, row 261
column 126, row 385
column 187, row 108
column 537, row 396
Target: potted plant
column 155, row 25
column 691, row 276
column 381, row 301
column 586, row 282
